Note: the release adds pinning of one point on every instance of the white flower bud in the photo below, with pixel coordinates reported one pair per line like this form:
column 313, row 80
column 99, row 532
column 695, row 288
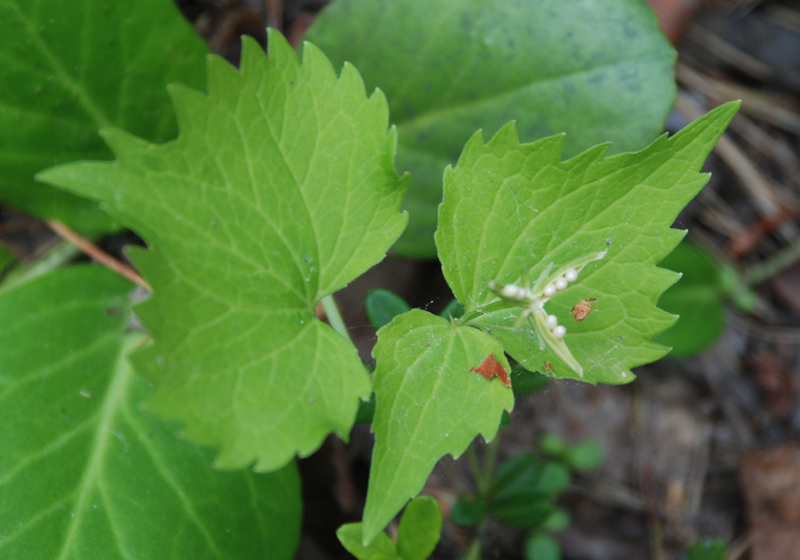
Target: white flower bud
column 549, row 290
column 511, row 291
column 571, row 275
column 551, row 322
column 561, row 283
column 559, row 332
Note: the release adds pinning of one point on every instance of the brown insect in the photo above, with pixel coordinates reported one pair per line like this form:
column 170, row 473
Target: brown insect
column 583, row 308
column 548, row 366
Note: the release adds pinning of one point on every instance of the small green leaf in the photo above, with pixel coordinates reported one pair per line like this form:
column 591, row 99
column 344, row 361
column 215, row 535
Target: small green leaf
column 83, row 472
column 453, row 310
column 420, row 529
column 382, row 548
column 383, row 306
column 71, row 68
column 599, row 70
column 553, row 446
column 469, row 510
column 697, row 298
column 707, row 549
column 523, row 489
column 429, row 404
column 559, row 520
column 243, row 242
column 585, row 456
column 515, row 211
column 542, row 547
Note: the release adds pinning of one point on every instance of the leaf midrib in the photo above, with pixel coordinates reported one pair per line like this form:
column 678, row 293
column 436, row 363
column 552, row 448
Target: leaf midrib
column 113, row 399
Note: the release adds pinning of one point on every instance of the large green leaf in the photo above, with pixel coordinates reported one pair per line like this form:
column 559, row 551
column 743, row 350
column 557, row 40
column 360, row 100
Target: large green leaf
column 84, row 474
column 279, row 190
column 71, row 68
column 510, row 207
column 429, row 404
column 599, row 70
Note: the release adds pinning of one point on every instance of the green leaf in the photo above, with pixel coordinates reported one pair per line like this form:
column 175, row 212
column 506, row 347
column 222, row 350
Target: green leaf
column 707, row 549
column 469, row 510
column 382, row 548
column 71, row 68
column 429, row 404
column 523, row 489
column 83, row 472
column 383, row 306
column 453, row 310
column 542, row 547
column 420, row 529
column 599, row 70
column 553, row 446
column 509, row 208
column 559, row 520
column 698, row 300
column 243, row 244
column 585, row 456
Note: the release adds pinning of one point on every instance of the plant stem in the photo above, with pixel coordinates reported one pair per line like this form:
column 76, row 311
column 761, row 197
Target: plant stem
column 475, row 468
column 491, row 458
column 483, row 479
column 53, row 259
column 334, row 317
column 474, row 552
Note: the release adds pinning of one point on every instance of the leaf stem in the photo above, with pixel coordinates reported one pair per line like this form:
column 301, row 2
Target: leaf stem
column 334, row 317
column 476, row 469
column 474, row 552
column 491, row 458
column 53, row 259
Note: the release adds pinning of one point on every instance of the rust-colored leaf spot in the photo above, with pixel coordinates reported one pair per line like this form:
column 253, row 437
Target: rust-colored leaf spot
column 490, row 367
column 549, row 367
column 583, row 308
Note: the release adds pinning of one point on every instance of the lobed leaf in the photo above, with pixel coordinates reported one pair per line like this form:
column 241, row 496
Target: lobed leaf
column 279, row 190
column 71, row 68
column 599, row 70
column 510, row 207
column 83, row 472
column 429, row 404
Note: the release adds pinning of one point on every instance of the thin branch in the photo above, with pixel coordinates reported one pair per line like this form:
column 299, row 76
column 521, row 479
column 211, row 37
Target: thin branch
column 96, row 253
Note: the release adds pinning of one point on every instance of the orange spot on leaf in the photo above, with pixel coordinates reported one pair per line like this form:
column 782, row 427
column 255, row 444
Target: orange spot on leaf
column 490, row 367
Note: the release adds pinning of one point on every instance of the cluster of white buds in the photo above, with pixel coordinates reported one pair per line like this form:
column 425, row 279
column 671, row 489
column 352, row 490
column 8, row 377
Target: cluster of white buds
column 560, row 283
column 533, row 297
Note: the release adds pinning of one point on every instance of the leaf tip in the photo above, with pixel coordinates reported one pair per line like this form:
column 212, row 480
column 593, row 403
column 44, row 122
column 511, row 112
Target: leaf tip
column 507, row 135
